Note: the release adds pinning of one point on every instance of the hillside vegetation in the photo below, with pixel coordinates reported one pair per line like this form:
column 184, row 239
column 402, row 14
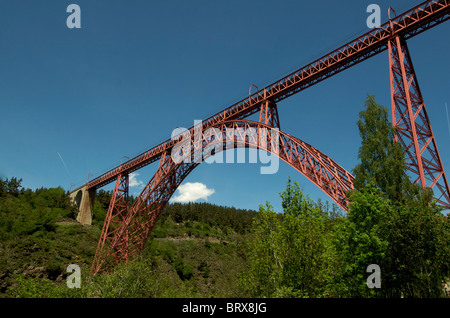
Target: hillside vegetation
column 196, row 249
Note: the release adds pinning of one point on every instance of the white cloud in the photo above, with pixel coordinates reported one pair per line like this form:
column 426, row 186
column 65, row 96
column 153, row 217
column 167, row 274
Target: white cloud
column 191, row 192
column 133, row 182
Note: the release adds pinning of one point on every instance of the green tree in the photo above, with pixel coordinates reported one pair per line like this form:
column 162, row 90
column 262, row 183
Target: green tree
column 265, row 265
column 381, row 159
column 391, row 222
column 359, row 242
column 287, row 251
column 418, row 252
column 10, row 186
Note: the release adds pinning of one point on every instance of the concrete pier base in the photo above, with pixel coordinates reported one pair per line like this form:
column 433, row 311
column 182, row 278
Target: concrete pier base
column 84, row 200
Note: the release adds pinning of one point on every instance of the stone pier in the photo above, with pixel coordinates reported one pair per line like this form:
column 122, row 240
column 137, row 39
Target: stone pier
column 84, row 200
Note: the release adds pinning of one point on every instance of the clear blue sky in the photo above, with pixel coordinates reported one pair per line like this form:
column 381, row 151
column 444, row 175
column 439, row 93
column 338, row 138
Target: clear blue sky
column 138, row 69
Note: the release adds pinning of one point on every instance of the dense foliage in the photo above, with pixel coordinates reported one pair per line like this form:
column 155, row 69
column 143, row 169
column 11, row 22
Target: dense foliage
column 287, row 253
column 391, row 223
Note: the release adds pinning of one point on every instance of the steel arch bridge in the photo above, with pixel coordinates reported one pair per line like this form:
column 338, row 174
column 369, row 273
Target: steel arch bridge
column 127, row 228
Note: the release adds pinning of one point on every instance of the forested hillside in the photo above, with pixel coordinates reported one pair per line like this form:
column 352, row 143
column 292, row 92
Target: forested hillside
column 196, row 249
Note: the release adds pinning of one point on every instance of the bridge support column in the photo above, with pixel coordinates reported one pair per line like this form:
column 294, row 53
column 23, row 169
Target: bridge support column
column 107, row 248
column 268, row 114
column 413, row 128
column 84, row 200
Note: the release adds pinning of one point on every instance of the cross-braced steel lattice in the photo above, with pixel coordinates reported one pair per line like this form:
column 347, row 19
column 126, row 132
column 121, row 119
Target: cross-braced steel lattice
column 413, row 128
